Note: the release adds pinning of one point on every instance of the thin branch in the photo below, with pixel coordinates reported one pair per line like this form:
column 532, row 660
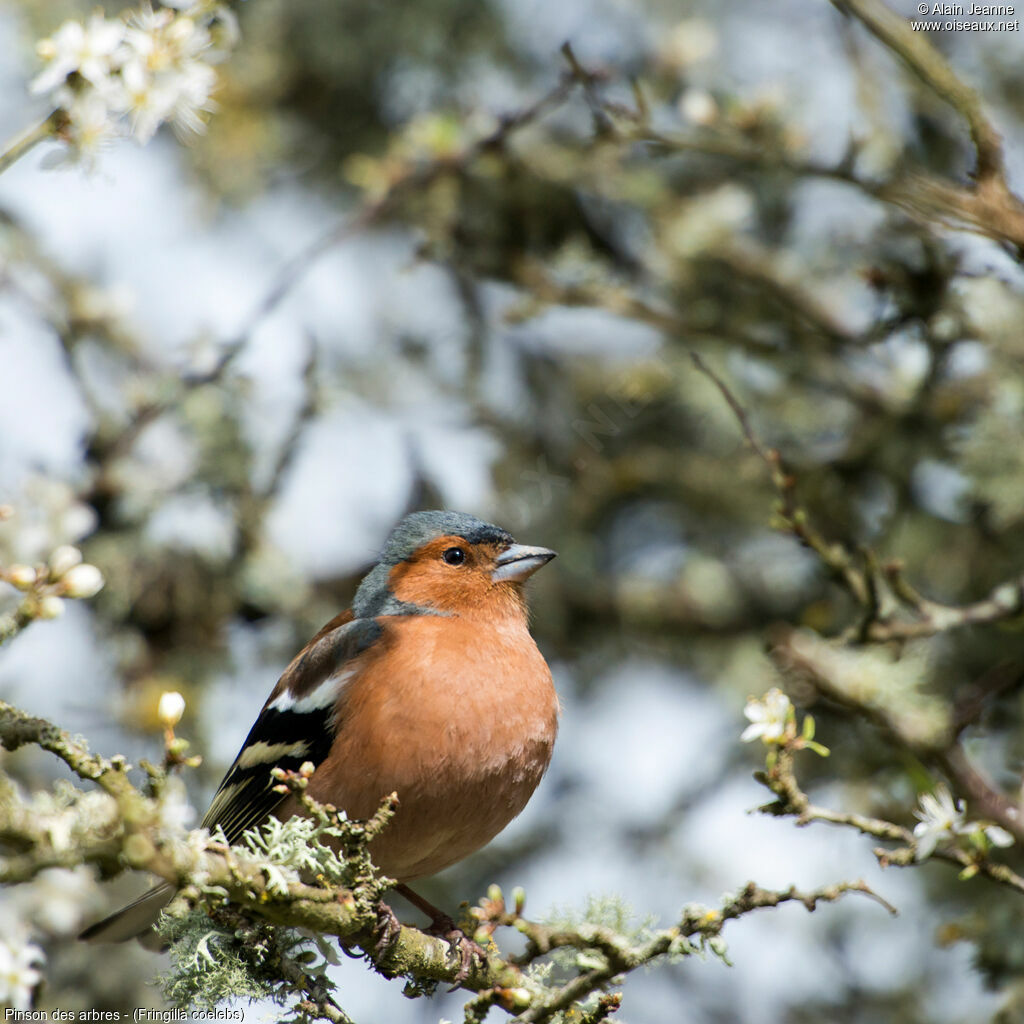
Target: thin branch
column 814, row 660
column 29, row 139
column 793, row 801
column 792, row 516
column 864, row 577
column 931, row 67
column 622, row 953
column 989, row 206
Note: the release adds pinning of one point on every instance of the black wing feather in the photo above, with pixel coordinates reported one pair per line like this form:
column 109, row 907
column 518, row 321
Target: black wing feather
column 287, row 738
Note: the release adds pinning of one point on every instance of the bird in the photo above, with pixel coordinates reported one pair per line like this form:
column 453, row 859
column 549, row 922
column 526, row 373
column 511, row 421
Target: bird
column 429, row 686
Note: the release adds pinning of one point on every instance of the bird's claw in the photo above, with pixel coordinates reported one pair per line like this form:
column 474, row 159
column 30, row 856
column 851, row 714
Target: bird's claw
column 386, row 931
column 468, row 949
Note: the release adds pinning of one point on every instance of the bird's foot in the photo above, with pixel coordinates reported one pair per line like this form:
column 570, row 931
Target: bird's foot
column 444, row 927
column 386, row 931
column 468, row 949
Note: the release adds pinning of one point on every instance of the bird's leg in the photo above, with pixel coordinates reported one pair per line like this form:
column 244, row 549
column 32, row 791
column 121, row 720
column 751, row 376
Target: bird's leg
column 442, row 925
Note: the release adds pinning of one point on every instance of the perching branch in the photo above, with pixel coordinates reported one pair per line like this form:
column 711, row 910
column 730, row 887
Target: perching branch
column 200, row 867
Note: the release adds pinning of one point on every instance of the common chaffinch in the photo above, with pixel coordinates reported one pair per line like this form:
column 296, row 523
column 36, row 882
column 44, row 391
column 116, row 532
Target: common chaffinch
column 430, row 687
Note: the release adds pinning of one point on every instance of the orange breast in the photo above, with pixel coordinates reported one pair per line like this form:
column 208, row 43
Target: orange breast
column 456, row 715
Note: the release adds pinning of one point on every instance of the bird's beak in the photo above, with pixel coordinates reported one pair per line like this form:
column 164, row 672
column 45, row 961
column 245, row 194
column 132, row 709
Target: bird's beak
column 518, row 561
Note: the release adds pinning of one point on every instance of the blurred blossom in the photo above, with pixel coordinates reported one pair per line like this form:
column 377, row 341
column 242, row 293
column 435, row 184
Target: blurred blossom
column 689, row 42
column 894, row 369
column 134, row 73
column 698, row 107
column 997, row 836
column 21, row 576
column 967, row 359
column 51, row 607
column 768, row 717
column 88, row 50
column 709, row 584
column 47, row 516
column 18, row 972
column 710, row 220
column 176, row 813
column 90, row 129
column 57, row 898
column 940, row 817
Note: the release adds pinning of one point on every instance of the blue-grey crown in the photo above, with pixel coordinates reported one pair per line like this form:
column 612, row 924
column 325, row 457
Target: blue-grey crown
column 415, row 530
column 419, row 528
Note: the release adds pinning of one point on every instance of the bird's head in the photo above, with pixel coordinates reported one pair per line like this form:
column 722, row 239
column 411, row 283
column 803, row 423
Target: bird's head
column 448, row 563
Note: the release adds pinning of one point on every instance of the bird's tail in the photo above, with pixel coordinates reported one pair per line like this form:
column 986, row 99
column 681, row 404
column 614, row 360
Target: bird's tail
column 133, row 921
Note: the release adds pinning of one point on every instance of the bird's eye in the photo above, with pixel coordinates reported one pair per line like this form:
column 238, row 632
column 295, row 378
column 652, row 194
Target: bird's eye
column 454, row 556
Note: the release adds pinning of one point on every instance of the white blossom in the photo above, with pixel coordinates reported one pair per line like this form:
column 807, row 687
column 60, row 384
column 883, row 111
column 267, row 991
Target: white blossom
column 21, row 576
column 940, row 817
column 90, row 126
column 768, row 717
column 195, row 84
column 51, row 607
column 699, row 107
column 135, row 73
column 88, row 49
column 64, row 558
column 18, row 973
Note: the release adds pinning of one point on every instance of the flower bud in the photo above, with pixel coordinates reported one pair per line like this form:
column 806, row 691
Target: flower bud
column 51, row 607
column 83, row 580
column 518, row 998
column 21, row 576
column 64, row 559
column 170, row 709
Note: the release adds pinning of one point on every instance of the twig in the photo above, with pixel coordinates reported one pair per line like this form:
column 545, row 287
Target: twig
column 914, row 49
column 29, row 139
column 865, row 580
column 794, row 802
column 814, row 659
column 989, row 206
column 622, row 954
column 792, row 516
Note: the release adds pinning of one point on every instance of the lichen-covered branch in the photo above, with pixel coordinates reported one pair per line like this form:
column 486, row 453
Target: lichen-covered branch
column 263, row 883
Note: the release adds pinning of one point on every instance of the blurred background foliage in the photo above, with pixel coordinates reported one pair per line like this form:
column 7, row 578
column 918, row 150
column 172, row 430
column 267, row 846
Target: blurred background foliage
column 714, row 181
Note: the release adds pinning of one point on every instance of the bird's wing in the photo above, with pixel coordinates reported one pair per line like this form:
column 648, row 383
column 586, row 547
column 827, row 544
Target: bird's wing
column 297, row 724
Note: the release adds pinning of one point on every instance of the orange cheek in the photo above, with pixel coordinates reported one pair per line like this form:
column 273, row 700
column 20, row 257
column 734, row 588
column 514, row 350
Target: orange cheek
column 437, row 586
